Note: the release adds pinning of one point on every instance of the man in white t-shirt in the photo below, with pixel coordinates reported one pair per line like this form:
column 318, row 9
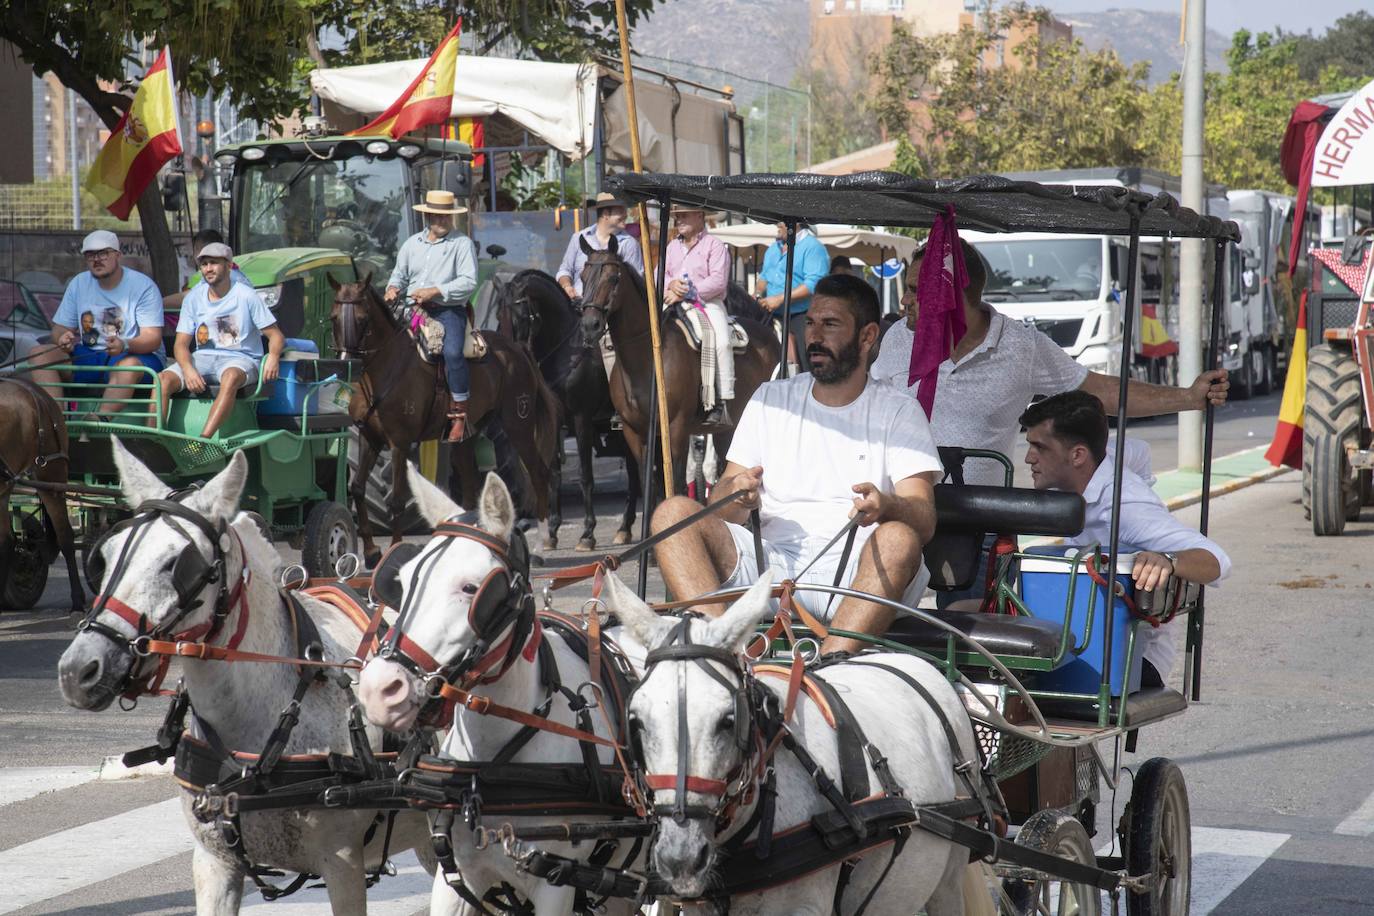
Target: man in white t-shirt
column 225, row 322
column 811, row 452
column 1067, row 439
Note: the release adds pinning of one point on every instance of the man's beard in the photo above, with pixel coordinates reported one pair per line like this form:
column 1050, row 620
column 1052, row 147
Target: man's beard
column 841, row 365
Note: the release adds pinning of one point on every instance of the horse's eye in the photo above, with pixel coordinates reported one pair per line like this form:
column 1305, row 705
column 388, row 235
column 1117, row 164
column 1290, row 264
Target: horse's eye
column 470, row 589
column 727, row 723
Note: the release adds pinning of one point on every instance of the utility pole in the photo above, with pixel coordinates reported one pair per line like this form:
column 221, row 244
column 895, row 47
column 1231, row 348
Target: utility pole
column 1190, row 323
column 73, row 167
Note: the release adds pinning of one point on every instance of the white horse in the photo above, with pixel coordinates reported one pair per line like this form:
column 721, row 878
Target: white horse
column 437, row 619
column 241, row 702
column 929, row 872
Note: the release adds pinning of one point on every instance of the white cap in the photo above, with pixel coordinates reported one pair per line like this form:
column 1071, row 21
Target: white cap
column 100, row 240
column 216, row 250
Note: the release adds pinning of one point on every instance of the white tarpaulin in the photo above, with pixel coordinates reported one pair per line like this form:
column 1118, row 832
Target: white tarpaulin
column 1345, row 152
column 556, row 102
column 867, row 244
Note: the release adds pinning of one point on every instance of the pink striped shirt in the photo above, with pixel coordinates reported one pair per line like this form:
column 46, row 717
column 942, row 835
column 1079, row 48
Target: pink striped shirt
column 707, row 262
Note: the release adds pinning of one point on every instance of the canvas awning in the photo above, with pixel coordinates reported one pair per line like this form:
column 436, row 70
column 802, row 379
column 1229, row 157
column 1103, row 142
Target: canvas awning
column 1344, row 154
column 869, row 245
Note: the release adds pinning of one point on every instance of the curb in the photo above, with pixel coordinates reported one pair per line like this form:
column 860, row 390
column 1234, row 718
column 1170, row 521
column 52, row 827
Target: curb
column 113, row 768
column 1195, row 497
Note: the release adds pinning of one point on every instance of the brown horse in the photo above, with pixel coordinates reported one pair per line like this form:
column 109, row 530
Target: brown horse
column 614, row 300
column 402, row 400
column 33, row 437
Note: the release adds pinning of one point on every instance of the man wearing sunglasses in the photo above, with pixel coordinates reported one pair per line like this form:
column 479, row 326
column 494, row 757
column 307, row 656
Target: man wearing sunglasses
column 110, row 316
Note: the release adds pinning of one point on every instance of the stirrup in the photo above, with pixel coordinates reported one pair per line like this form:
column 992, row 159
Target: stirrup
column 458, row 427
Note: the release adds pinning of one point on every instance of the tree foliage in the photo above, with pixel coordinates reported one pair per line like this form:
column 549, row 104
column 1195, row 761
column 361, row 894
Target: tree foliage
column 1343, row 52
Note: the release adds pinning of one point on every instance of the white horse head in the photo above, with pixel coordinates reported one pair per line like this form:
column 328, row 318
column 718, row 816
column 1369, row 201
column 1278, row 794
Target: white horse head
column 685, row 850
column 141, row 581
column 448, row 573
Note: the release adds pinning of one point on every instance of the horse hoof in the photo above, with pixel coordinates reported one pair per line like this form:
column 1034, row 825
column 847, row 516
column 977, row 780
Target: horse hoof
column 550, row 543
column 621, row 538
column 585, row 545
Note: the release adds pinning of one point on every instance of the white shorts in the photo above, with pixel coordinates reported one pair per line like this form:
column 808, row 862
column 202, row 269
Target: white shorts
column 787, row 558
column 212, row 365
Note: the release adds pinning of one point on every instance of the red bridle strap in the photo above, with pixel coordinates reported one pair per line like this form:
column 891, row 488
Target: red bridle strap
column 483, row 706
column 716, row 787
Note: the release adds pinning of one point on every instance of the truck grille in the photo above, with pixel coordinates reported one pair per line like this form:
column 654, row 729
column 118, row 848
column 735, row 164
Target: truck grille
column 1063, row 332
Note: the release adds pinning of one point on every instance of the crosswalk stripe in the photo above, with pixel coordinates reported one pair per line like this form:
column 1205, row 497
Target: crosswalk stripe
column 1224, row 859
column 47, row 868
column 1361, row 820
column 400, row 895
column 20, row 783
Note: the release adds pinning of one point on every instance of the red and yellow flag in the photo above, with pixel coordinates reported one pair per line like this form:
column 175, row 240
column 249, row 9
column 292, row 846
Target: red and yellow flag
column 471, row 131
column 1287, row 445
column 429, row 97
column 145, row 138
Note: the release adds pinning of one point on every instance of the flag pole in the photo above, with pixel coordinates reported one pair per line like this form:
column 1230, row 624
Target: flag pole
column 643, row 212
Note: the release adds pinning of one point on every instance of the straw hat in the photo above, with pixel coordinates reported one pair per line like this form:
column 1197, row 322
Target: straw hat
column 605, row 199
column 441, row 202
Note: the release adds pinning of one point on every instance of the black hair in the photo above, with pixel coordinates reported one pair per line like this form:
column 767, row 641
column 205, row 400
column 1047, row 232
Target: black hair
column 1077, row 418
column 206, row 237
column 861, row 298
column 837, row 262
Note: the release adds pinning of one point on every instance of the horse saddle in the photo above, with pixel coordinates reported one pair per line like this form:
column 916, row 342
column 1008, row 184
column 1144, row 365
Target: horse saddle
column 690, row 321
column 429, row 334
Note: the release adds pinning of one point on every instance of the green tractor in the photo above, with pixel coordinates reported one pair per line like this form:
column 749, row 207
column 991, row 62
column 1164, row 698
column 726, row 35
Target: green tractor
column 304, row 209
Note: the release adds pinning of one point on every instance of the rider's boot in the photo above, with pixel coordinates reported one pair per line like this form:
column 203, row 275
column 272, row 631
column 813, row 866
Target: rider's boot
column 719, row 415
column 458, row 415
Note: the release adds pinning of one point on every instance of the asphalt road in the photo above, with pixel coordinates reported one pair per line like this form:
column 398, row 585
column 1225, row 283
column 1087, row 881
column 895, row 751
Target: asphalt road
column 1275, row 755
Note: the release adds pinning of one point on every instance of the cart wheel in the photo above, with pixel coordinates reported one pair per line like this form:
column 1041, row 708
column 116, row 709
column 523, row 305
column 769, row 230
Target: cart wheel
column 28, row 574
column 329, row 534
column 1157, row 839
column 1330, row 471
column 1059, row 834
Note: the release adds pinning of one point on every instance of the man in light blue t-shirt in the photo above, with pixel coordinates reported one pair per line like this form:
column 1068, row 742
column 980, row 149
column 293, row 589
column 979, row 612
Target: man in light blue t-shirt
column 225, row 322
column 810, row 262
column 110, row 316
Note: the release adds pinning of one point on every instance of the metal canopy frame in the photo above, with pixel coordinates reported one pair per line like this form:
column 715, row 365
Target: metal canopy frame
column 990, row 203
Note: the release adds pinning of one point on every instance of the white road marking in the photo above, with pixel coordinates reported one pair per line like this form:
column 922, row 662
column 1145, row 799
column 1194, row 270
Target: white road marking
column 46, row 868
column 1361, row 820
column 19, row 783
column 1224, row 859
column 401, row 895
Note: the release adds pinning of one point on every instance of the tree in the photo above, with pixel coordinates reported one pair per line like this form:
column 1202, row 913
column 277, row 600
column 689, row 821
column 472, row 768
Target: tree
column 1343, row 52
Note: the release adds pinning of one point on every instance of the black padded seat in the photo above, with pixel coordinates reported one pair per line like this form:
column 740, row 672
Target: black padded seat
column 1000, row 634
column 1142, row 707
column 316, row 423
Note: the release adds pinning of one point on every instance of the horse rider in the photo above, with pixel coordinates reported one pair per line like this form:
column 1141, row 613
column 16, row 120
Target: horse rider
column 111, row 315
column 810, row 262
column 1066, row 435
column 998, row 367
column 698, row 268
column 610, row 223
column 437, row 268
column 812, row 452
column 226, row 320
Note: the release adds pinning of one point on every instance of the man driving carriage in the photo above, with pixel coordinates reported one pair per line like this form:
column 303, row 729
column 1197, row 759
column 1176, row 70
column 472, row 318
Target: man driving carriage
column 811, row 452
column 610, row 223
column 698, row 271
column 437, row 268
column 1067, row 439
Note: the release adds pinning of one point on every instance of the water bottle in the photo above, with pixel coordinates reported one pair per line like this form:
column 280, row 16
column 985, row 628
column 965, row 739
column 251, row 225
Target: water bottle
column 691, row 298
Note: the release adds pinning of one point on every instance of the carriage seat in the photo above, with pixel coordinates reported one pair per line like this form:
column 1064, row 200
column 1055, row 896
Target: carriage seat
column 1142, row 707
column 1000, row 634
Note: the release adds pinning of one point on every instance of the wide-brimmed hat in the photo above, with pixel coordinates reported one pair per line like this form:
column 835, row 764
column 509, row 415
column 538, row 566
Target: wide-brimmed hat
column 441, row 202
column 605, row 199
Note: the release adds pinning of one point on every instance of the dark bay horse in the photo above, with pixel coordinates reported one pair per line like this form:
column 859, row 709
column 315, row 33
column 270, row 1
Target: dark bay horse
column 536, row 312
column 402, row 400
column 614, row 300
column 33, row 438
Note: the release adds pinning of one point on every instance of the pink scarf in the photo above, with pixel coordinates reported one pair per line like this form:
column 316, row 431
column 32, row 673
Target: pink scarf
column 940, row 323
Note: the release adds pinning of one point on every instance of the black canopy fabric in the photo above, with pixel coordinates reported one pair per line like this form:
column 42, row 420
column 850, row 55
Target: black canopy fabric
column 985, row 202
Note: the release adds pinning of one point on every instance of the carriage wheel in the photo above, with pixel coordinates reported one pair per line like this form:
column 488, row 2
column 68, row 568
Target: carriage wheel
column 329, row 534
column 1157, row 839
column 1059, row 834
column 28, row 574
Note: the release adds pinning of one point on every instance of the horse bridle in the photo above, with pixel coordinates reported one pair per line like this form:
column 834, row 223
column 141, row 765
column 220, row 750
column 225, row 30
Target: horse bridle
column 504, row 602
column 356, row 326
column 591, row 285
column 191, row 573
column 753, row 705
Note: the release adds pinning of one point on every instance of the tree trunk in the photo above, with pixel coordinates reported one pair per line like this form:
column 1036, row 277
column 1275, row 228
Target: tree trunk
column 162, row 254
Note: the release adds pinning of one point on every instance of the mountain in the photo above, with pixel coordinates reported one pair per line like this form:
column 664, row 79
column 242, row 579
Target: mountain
column 1148, row 35
column 753, row 39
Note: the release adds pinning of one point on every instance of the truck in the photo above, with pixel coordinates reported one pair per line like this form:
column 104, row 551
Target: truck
column 1071, row 286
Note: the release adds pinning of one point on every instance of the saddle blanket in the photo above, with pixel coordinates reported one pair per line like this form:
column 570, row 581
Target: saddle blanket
column 429, row 334
column 691, row 320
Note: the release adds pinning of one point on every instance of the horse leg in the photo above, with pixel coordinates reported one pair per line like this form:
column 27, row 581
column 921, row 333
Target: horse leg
column 219, row 885
column 345, row 882
column 949, row 898
column 582, row 428
column 555, row 498
column 399, row 496
column 368, row 450
column 518, row 476
column 634, row 487
column 55, row 508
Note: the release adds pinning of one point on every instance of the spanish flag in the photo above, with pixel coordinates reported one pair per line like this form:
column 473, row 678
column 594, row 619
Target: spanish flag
column 471, row 131
column 143, row 140
column 1287, row 445
column 429, row 97
column 1155, row 342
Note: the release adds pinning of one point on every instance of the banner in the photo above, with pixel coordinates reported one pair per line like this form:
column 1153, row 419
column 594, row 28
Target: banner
column 143, row 141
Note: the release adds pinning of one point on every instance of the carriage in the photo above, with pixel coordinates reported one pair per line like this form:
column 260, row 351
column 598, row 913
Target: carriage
column 1046, row 666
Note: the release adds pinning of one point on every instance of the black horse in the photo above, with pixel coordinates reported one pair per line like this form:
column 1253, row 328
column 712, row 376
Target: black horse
column 534, row 310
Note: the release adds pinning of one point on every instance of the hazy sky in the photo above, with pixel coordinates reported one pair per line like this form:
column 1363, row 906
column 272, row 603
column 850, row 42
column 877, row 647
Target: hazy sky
column 1228, row 15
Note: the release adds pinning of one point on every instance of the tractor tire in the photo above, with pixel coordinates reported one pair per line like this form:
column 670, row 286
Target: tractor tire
column 1333, row 408
column 329, row 535
column 1329, row 469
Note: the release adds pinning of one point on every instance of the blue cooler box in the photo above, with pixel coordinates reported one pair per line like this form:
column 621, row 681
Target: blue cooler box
column 289, row 395
column 1045, row 590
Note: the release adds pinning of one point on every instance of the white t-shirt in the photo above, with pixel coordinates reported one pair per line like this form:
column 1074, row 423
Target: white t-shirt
column 231, row 326
column 812, row 455
column 978, row 400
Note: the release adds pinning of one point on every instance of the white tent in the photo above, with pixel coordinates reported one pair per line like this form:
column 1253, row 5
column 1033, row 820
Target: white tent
column 870, row 245
column 1345, row 153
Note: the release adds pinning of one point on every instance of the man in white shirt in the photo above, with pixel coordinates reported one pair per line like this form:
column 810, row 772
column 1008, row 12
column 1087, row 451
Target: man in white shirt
column 1067, row 439
column 811, row 452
